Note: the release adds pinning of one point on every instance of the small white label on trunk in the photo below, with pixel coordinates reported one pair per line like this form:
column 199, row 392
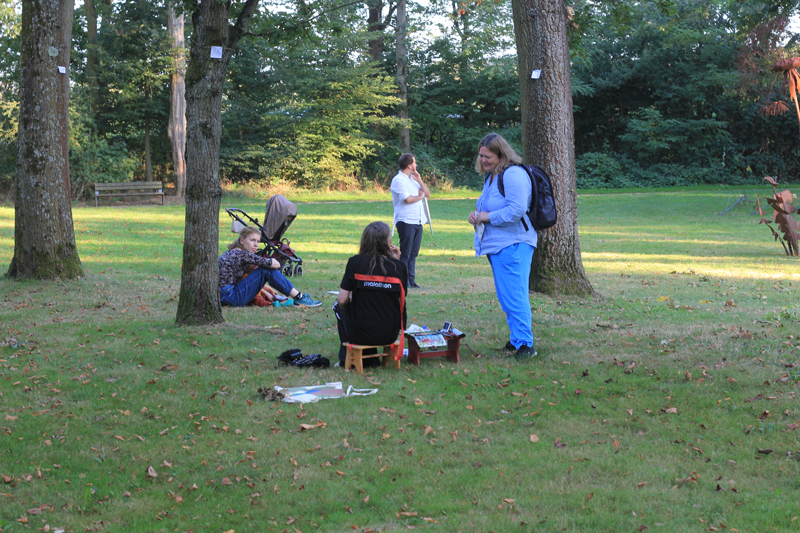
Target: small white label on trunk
column 216, row 52
column 535, row 74
column 62, row 70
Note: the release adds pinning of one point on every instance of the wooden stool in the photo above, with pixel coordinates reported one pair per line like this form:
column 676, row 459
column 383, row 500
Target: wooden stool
column 356, row 357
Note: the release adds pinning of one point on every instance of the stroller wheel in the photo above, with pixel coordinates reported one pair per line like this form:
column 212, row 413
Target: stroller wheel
column 298, row 270
column 287, row 270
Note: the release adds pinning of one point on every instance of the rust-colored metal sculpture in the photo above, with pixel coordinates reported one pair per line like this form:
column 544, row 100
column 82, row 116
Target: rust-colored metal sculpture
column 763, row 51
column 781, row 203
column 791, row 79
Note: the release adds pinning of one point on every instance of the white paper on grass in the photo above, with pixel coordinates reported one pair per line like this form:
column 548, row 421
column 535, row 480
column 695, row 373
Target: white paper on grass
column 536, row 74
column 216, row 52
column 316, row 393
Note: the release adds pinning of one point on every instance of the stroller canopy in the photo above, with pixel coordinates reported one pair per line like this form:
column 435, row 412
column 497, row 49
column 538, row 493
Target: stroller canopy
column 279, row 215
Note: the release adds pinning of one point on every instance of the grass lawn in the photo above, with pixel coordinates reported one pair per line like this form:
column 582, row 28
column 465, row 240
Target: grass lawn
column 667, row 402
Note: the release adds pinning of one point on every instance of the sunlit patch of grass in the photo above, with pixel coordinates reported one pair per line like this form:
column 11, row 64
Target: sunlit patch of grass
column 697, row 320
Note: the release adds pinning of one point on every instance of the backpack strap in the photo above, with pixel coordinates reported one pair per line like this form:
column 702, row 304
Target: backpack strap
column 500, row 186
column 502, row 189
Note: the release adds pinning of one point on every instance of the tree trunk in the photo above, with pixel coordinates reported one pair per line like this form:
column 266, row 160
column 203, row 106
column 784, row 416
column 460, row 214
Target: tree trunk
column 44, row 238
column 402, row 74
column 177, row 102
column 148, row 162
column 375, row 25
column 199, row 295
column 91, row 53
column 548, row 139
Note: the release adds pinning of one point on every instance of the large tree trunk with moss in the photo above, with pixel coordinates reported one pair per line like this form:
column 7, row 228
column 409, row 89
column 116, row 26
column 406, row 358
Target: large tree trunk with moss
column 548, row 139
column 177, row 101
column 44, row 238
column 199, row 295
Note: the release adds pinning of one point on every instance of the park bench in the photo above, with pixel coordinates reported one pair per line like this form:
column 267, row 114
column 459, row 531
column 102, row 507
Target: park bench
column 133, row 188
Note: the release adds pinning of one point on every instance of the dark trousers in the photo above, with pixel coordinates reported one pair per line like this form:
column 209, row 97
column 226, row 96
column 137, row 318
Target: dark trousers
column 410, row 239
column 342, row 321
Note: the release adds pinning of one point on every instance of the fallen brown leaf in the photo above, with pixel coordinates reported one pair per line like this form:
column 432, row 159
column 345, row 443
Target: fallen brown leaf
column 319, row 424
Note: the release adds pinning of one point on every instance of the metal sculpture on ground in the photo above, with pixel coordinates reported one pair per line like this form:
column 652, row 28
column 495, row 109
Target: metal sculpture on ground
column 781, row 203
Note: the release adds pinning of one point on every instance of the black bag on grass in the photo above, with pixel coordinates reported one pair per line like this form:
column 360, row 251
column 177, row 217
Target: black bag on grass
column 295, row 357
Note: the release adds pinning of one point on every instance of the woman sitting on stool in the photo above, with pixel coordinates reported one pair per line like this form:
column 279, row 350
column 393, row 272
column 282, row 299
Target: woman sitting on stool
column 370, row 308
column 233, row 264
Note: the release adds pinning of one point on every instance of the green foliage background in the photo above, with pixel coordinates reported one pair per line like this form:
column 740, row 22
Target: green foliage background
column 660, row 97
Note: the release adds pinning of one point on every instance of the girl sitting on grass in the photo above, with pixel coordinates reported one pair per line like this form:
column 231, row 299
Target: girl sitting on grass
column 233, row 264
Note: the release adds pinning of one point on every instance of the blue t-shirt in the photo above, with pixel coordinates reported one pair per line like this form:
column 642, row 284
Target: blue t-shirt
column 505, row 226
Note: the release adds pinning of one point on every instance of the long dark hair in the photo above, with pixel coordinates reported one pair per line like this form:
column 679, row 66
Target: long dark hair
column 375, row 244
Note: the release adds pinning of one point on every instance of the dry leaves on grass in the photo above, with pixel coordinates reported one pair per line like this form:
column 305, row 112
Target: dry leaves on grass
column 692, row 477
column 319, row 424
column 272, row 395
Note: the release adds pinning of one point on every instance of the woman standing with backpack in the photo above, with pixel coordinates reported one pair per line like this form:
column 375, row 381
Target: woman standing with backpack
column 505, row 235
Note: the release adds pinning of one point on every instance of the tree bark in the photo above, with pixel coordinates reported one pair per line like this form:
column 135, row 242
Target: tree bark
column 148, row 162
column 374, row 25
column 199, row 295
column 44, row 237
column 177, row 101
column 91, row 53
column 548, row 139
column 402, row 74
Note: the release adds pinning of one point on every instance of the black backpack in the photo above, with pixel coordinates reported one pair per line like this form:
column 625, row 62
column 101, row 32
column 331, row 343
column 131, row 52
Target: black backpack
column 542, row 211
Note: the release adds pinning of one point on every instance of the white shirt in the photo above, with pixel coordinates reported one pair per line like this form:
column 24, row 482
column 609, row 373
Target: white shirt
column 403, row 187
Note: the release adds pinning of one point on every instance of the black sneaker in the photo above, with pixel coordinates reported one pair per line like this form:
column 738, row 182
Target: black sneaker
column 413, row 285
column 525, row 352
column 509, row 347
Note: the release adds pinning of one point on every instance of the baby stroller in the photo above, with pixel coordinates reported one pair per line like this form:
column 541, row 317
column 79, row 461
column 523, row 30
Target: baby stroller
column 278, row 217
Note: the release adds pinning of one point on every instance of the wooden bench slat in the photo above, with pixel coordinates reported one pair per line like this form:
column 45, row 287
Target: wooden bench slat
column 126, row 186
column 138, row 188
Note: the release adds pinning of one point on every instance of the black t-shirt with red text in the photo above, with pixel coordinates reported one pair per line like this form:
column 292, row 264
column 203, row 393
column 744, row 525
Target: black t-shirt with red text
column 374, row 313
